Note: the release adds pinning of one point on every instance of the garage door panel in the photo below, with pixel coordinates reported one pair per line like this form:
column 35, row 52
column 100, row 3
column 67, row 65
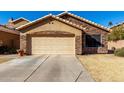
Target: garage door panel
column 53, row 45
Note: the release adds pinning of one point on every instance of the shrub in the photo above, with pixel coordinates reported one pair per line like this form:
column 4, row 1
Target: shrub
column 12, row 51
column 7, row 50
column 3, row 49
column 119, row 52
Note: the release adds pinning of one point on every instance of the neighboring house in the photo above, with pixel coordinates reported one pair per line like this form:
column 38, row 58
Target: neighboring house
column 9, row 37
column 16, row 23
column 65, row 33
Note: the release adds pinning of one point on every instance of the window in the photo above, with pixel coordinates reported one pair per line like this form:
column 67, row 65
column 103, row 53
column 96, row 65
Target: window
column 92, row 40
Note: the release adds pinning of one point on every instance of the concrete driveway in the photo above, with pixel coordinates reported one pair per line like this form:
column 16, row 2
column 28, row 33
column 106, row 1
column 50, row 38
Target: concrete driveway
column 44, row 68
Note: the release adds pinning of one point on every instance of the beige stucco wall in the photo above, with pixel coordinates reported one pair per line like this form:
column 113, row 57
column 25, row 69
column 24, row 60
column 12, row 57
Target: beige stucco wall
column 116, row 44
column 7, row 38
column 53, row 26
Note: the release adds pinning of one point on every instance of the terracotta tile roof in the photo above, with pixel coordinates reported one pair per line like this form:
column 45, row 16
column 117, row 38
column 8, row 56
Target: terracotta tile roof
column 65, row 21
column 83, row 19
column 53, row 16
column 21, row 18
column 8, row 30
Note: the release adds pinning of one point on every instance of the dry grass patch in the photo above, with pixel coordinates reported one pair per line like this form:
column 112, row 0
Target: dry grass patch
column 104, row 67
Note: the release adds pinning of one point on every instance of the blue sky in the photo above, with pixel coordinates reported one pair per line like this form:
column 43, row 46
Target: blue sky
column 100, row 17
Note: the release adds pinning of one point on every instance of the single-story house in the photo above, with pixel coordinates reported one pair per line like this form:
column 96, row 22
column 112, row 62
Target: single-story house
column 65, row 33
column 9, row 37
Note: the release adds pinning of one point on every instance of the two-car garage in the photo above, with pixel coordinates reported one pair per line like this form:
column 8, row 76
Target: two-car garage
column 53, row 45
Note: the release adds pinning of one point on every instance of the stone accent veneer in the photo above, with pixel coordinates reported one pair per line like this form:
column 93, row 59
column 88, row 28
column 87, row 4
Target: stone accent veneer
column 78, row 44
column 23, row 42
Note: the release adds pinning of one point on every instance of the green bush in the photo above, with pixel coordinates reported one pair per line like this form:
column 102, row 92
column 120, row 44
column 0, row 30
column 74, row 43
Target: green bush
column 12, row 51
column 7, row 50
column 119, row 52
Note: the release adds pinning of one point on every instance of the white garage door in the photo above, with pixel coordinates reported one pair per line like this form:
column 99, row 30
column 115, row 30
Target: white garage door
column 53, row 45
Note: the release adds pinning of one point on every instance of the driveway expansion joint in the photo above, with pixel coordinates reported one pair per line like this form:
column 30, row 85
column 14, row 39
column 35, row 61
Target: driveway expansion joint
column 78, row 76
column 36, row 69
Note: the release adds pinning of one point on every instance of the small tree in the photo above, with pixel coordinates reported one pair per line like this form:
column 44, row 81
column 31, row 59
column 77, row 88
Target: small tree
column 110, row 23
